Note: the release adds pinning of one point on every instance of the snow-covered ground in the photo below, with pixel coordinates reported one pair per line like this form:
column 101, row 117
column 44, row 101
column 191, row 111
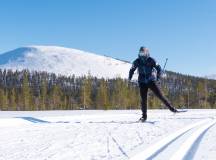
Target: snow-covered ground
column 103, row 135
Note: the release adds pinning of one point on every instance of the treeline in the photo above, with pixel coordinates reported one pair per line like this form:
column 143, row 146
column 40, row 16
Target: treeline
column 190, row 91
column 25, row 90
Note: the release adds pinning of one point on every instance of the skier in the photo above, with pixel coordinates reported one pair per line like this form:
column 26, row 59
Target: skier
column 149, row 73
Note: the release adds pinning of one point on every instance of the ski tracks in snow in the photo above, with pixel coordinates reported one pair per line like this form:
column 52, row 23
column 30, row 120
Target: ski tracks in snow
column 188, row 138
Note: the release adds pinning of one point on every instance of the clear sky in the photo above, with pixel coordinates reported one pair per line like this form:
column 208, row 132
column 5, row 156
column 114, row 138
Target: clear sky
column 182, row 30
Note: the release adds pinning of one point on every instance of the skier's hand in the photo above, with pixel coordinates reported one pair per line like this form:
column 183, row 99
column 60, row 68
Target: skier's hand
column 133, row 82
column 164, row 75
column 161, row 76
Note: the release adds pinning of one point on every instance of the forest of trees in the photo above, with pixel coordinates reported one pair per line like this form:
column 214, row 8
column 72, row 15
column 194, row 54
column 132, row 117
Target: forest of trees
column 25, row 90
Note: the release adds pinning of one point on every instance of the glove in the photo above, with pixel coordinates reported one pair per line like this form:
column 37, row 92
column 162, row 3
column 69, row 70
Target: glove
column 163, row 75
column 133, row 82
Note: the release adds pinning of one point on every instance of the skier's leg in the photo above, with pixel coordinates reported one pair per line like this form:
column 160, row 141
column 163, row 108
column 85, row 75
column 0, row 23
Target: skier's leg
column 155, row 88
column 143, row 95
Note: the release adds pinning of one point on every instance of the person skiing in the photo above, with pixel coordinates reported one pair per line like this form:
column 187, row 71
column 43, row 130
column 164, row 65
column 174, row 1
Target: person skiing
column 149, row 73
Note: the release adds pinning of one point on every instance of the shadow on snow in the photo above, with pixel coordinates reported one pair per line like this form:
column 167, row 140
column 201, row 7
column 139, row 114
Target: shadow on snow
column 37, row 120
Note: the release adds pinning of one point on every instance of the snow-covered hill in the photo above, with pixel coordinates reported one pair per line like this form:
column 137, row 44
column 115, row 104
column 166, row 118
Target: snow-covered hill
column 64, row 61
column 212, row 76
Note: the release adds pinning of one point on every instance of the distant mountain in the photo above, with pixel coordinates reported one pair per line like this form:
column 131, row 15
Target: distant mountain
column 212, row 76
column 64, row 61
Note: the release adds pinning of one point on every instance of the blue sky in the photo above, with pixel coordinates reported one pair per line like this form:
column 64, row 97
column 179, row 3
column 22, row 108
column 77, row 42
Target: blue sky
column 182, row 30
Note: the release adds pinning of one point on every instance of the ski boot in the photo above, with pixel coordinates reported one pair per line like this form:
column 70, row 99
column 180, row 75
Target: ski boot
column 143, row 118
column 174, row 110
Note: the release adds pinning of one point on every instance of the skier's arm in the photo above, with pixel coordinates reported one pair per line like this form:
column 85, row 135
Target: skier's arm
column 133, row 68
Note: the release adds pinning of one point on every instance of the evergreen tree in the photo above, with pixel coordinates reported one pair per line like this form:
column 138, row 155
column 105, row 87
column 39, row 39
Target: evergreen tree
column 133, row 96
column 43, row 95
column 3, row 100
column 26, row 93
column 117, row 94
column 56, row 97
column 86, row 95
column 102, row 96
column 212, row 99
column 201, row 94
column 12, row 100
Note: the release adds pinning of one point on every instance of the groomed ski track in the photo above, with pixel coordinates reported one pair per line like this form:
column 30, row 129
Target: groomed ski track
column 188, row 143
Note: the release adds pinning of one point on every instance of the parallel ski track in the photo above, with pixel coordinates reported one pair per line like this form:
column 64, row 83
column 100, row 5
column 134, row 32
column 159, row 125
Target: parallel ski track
column 186, row 150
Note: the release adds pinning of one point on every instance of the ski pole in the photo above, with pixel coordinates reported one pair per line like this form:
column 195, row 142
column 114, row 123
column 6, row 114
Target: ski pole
column 165, row 65
column 163, row 70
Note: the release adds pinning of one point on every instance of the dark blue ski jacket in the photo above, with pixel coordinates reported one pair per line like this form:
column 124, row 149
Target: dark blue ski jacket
column 148, row 69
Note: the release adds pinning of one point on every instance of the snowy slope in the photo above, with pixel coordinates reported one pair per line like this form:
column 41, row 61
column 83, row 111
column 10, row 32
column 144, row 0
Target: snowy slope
column 212, row 76
column 64, row 61
column 102, row 135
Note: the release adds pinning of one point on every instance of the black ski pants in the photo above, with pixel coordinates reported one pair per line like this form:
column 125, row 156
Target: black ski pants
column 156, row 90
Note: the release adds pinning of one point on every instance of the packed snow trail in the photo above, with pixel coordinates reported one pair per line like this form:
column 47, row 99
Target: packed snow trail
column 165, row 147
column 155, row 149
column 102, row 135
column 188, row 148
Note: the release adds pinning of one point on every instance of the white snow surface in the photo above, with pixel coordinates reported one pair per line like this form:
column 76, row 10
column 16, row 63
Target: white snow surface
column 212, row 76
column 64, row 61
column 103, row 135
